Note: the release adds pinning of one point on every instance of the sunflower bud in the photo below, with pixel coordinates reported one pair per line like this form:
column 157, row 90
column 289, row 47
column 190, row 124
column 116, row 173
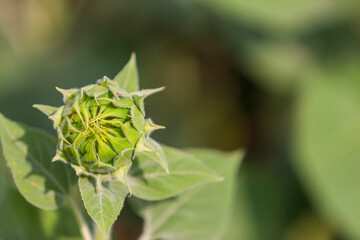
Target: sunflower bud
column 101, row 128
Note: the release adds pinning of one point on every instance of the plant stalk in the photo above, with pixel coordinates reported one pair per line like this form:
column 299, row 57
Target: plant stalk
column 84, row 228
column 99, row 235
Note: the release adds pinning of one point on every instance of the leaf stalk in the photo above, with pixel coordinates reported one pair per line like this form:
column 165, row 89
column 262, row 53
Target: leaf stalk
column 84, row 228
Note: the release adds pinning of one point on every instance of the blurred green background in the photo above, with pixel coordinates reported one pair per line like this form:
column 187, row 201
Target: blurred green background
column 278, row 78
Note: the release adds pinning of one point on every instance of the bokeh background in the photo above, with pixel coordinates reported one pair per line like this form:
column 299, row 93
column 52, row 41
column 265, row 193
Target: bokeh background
column 278, row 78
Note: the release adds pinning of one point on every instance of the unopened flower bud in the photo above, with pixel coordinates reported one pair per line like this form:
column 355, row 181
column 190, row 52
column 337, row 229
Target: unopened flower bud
column 101, row 128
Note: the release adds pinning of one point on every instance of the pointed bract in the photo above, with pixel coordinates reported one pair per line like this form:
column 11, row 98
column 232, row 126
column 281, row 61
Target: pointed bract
column 121, row 175
column 137, row 118
column 95, row 90
column 141, row 146
column 157, row 154
column 139, row 101
column 56, row 117
column 107, row 82
column 149, row 127
column 60, row 156
column 47, row 110
column 148, row 92
column 128, row 77
column 80, row 171
column 67, row 93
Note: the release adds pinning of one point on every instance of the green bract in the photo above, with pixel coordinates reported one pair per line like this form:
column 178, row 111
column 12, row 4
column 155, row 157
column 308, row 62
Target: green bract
column 102, row 128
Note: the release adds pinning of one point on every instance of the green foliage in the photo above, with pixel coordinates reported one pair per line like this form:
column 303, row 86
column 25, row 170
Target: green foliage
column 328, row 141
column 104, row 136
column 28, row 153
column 201, row 213
column 224, row 63
column 103, row 199
column 128, row 77
column 149, row 181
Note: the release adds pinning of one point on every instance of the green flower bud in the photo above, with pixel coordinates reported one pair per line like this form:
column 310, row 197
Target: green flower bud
column 101, row 128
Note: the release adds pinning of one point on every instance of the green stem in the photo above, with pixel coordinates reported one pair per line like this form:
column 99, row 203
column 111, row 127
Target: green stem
column 98, row 234
column 147, row 228
column 84, row 228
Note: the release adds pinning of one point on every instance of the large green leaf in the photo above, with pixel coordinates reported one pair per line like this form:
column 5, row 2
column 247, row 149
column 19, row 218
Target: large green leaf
column 328, row 143
column 103, row 198
column 128, row 77
column 28, row 153
column 199, row 214
column 149, row 181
